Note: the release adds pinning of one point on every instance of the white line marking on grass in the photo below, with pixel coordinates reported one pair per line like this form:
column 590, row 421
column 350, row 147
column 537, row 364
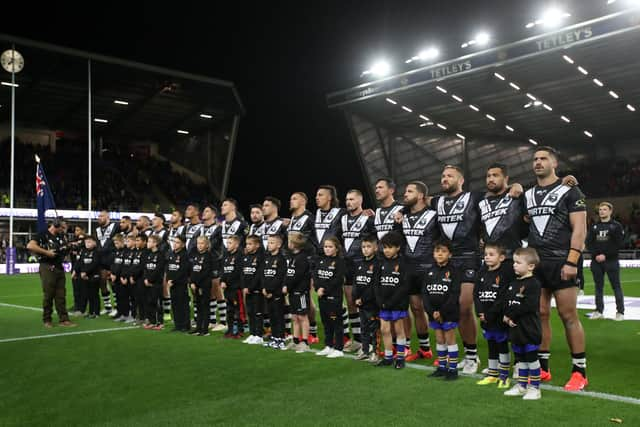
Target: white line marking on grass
column 23, row 307
column 20, row 296
column 593, row 394
column 65, row 334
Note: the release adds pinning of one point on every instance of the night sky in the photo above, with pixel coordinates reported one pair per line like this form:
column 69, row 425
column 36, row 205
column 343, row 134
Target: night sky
column 284, row 58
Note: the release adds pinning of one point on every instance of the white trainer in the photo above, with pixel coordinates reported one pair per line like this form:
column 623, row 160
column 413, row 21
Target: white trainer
column 302, row 347
column 462, row 363
column 619, row 317
column 325, row 351
column 470, row 367
column 257, row 340
column 596, row 315
column 219, row 327
column 247, row 340
column 114, row 313
column 516, row 390
column 533, row 393
column 335, row 354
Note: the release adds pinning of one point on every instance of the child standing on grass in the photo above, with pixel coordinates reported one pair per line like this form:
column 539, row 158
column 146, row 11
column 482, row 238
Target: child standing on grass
column 522, row 315
column 274, row 269
column 88, row 268
column 441, row 302
column 392, row 296
column 116, row 272
column 154, row 262
column 490, row 288
column 201, row 277
column 177, row 271
column 230, row 284
column 254, row 300
column 365, row 298
column 296, row 285
column 328, row 278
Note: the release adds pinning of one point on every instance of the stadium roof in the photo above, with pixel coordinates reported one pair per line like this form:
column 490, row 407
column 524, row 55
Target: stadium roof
column 498, row 103
column 53, row 89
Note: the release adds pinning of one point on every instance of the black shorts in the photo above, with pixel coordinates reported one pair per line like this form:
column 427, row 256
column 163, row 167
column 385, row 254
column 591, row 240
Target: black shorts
column 548, row 273
column 350, row 272
column 299, row 302
column 467, row 266
column 215, row 274
column 416, row 276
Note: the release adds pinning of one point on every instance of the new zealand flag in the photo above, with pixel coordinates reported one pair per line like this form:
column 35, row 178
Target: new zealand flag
column 44, row 198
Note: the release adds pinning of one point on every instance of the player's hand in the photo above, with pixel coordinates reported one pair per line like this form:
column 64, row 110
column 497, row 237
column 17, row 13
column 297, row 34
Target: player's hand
column 84, row 276
column 50, row 254
column 286, row 221
column 568, row 272
column 223, row 286
column 321, row 292
column 482, row 318
column 358, row 302
column 436, row 316
column 284, row 290
column 264, row 292
column 170, row 283
column 245, row 291
column 200, row 291
column 123, row 281
column 193, row 287
column 146, row 282
column 73, row 275
column 398, row 217
column 113, row 277
column 268, row 296
column 570, row 180
column 601, row 258
column 368, row 212
column 516, row 190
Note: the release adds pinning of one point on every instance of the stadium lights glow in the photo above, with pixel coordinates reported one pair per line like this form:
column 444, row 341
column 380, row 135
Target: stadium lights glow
column 583, row 71
column 97, row 120
column 613, row 94
column 457, row 98
column 533, row 141
column 474, row 108
column 589, row 134
column 550, row 18
column 565, row 119
column 9, row 84
column 481, row 39
column 546, row 107
column 426, row 124
column 183, row 132
column 515, row 86
column 441, row 89
column 490, row 117
column 427, row 54
column 531, row 97
column 120, row 102
column 423, row 117
column 461, row 136
column 407, row 109
column 537, row 103
column 631, row 107
column 391, row 101
column 379, row 68
column 441, row 126
column 206, row 116
column 527, row 105
column 598, row 82
column 509, row 128
column 569, row 60
column 500, row 76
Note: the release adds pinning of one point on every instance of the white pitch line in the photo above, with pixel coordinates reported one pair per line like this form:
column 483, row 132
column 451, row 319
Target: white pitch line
column 65, row 334
column 23, row 307
column 593, row 394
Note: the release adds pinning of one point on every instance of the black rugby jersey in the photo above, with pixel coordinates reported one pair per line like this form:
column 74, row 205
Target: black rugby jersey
column 489, row 291
column 275, row 227
column 173, row 232
column 327, row 224
column 549, row 208
column 459, row 220
column 191, row 232
column 420, row 230
column 214, row 234
column 384, row 221
column 522, row 305
column 235, row 226
column 304, row 223
column 256, row 229
column 503, row 223
column 354, row 228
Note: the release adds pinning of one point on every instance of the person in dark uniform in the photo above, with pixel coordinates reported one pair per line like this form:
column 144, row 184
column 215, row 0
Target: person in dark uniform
column 251, row 265
column 176, row 228
column 257, row 221
column 79, row 300
column 328, row 215
column 103, row 234
column 557, row 230
column 154, row 263
column 177, row 270
column 88, row 269
column 192, row 229
column 50, row 249
column 230, row 283
column 384, row 219
column 604, row 240
column 212, row 231
column 364, row 297
column 274, row 269
column 117, row 262
column 296, row 285
column 200, row 278
column 136, row 277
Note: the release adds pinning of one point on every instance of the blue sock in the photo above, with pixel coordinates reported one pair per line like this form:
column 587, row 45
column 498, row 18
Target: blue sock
column 388, row 354
column 503, row 365
column 534, row 374
column 400, row 349
column 442, row 356
column 452, row 351
column 523, row 374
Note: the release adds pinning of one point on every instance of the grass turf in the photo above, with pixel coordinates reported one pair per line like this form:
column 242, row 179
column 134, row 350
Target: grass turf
column 140, row 377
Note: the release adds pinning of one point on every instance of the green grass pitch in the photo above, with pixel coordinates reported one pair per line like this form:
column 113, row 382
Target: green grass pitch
column 156, row 378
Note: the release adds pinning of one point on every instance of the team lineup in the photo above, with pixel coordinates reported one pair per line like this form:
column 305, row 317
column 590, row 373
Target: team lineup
column 443, row 263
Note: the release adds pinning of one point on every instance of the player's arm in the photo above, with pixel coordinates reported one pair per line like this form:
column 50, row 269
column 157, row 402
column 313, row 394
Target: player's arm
column 34, row 247
column 578, row 234
column 618, row 237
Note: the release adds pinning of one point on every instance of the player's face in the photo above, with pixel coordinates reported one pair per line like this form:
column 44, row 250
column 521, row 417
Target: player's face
column 369, row 249
column 139, row 243
column 520, row 266
column 390, row 251
column 496, row 181
column 256, row 215
column 268, row 209
column 329, row 249
column 492, row 258
column 103, row 218
column 175, row 218
column 189, row 212
column 296, row 202
column 157, row 222
column 604, row 212
column 383, row 191
column 125, row 224
column 208, row 214
column 411, row 196
column 451, row 180
column 89, row 243
column 119, row 244
column 273, row 244
column 78, row 231
column 441, row 255
column 202, row 246
column 544, row 164
column 151, row 244
column 232, row 244
column 252, row 246
column 353, row 202
column 178, row 244
column 131, row 243
column 323, row 198
column 141, row 224
column 227, row 207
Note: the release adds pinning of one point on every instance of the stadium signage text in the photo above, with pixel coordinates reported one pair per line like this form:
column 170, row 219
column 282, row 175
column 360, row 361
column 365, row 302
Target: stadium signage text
column 567, row 37
column 454, row 68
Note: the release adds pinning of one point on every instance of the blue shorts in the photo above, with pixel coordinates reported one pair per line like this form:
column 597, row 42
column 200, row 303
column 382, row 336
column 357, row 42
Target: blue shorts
column 496, row 335
column 442, row 326
column 393, row 315
column 522, row 349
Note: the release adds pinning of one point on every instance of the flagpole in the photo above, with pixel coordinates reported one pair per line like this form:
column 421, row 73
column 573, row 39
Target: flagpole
column 13, row 151
column 89, row 133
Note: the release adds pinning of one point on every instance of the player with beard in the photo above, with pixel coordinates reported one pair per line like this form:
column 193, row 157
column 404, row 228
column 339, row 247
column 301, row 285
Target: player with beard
column 459, row 221
column 212, row 231
column 301, row 221
column 158, row 229
column 176, row 228
column 192, row 230
column 420, row 229
column 143, row 225
column 328, row 215
column 355, row 226
column 126, row 226
column 384, row 219
column 557, row 230
column 257, row 221
column 104, row 233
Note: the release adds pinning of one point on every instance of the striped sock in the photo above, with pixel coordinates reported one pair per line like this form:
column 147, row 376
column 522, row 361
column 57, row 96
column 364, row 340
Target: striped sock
column 354, row 322
column 313, row 329
column 423, row 339
column 287, row 319
column 222, row 308
column 195, row 312
column 493, row 367
column 534, row 374
column 213, row 305
column 579, row 362
column 106, row 300
column 388, row 354
column 523, row 374
column 543, row 357
column 400, row 348
column 442, row 356
column 345, row 322
column 503, row 365
column 166, row 305
column 471, row 352
column 452, row 352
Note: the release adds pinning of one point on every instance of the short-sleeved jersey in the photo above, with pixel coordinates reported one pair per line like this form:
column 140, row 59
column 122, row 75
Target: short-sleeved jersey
column 327, row 224
column 354, row 228
column 459, row 220
column 384, row 219
column 420, row 230
column 235, row 226
column 549, row 208
column 275, row 227
column 503, row 223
